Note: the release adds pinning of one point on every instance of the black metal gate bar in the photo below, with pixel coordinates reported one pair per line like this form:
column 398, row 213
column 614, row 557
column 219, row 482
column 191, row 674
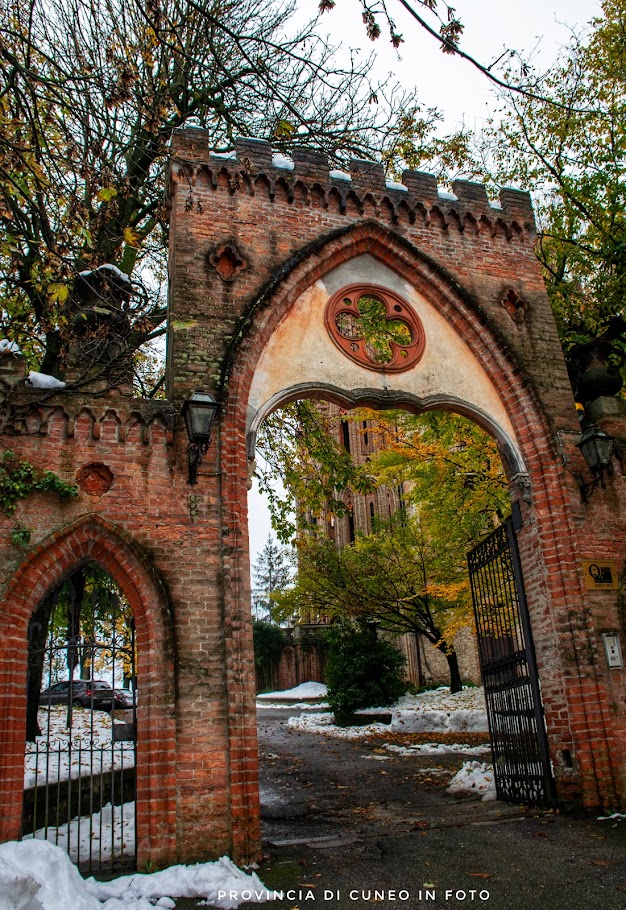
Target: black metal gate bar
column 519, row 743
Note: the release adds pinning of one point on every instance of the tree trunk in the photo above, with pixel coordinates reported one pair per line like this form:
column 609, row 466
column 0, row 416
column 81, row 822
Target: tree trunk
column 77, row 590
column 453, row 665
column 37, row 637
column 421, row 679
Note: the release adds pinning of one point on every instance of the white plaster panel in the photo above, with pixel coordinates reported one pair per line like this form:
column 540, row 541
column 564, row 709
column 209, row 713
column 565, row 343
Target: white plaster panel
column 301, row 351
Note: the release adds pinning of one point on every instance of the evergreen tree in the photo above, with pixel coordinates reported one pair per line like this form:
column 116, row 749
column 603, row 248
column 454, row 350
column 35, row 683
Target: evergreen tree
column 272, row 572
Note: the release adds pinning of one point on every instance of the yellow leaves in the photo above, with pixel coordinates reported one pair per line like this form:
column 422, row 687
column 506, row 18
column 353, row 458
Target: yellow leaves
column 450, row 591
column 106, row 194
column 131, row 238
column 58, row 292
column 284, row 130
column 38, row 172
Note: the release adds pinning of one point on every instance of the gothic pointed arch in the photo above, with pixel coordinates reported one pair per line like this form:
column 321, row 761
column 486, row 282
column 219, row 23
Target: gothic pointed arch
column 461, row 308
column 92, row 539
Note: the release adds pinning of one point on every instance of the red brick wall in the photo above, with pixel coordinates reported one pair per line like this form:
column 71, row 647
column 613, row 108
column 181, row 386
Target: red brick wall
column 160, row 539
column 297, row 664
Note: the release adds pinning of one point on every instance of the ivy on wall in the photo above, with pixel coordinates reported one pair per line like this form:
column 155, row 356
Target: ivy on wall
column 19, row 478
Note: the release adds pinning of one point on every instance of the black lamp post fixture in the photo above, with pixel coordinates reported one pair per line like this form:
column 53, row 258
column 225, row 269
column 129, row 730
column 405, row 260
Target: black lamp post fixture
column 199, row 412
column 597, row 449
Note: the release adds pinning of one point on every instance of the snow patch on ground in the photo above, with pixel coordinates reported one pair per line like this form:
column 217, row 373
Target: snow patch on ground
column 432, row 721
column 9, row 347
column 437, row 749
column 441, row 699
column 440, row 711
column 304, row 690
column 474, row 777
column 298, row 706
column 36, row 875
column 436, row 711
column 64, row 753
column 108, row 833
column 323, row 723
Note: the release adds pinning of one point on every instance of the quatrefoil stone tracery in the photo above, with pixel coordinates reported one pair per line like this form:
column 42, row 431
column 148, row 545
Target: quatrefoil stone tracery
column 395, row 342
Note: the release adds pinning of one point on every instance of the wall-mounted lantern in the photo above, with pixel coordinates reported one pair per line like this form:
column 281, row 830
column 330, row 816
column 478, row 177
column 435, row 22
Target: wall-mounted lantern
column 199, row 412
column 597, row 450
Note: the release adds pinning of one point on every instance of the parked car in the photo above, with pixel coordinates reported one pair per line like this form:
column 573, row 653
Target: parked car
column 124, row 699
column 85, row 693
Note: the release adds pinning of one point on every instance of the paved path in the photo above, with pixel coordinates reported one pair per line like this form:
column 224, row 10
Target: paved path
column 349, row 825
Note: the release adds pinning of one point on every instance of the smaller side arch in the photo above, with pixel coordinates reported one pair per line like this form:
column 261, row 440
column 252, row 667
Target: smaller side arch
column 92, row 540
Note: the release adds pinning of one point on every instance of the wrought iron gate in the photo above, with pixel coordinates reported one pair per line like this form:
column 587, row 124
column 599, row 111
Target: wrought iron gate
column 507, row 659
column 79, row 789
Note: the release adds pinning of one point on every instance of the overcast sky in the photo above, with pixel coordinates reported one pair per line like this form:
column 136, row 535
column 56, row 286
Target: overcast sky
column 537, row 29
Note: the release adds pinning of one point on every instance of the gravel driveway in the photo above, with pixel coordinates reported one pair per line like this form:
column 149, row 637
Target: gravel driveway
column 349, row 824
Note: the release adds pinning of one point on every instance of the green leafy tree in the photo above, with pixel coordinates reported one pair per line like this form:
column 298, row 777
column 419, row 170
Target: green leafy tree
column 299, row 445
column 394, row 577
column 409, row 574
column 569, row 148
column 451, row 470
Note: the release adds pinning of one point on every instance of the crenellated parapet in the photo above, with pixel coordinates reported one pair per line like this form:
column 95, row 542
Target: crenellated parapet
column 306, row 178
column 67, row 417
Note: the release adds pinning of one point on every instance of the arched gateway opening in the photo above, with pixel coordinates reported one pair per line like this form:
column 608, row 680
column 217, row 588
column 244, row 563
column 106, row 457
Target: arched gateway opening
column 387, row 506
column 337, row 352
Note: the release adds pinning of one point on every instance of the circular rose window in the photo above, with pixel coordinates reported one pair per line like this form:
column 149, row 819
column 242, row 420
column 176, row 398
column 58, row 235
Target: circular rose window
column 375, row 327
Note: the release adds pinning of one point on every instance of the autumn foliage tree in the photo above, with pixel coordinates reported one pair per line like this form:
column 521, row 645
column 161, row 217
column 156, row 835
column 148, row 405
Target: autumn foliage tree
column 408, row 574
column 567, row 145
column 90, row 91
column 298, row 444
column 388, row 578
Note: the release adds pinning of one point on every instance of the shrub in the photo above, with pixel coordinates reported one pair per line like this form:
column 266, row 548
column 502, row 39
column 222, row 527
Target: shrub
column 362, row 671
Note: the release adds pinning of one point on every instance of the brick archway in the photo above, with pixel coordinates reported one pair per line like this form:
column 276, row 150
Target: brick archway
column 93, row 540
column 252, row 245
column 544, row 490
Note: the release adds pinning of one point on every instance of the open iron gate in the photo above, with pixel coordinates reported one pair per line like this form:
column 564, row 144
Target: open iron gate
column 79, row 789
column 507, row 660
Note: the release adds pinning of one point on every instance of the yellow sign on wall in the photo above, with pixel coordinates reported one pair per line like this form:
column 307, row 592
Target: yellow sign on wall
column 600, row 574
